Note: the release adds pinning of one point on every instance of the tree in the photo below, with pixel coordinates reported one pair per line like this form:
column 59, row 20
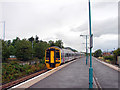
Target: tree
column 15, row 40
column 39, row 49
column 23, row 50
column 9, row 43
column 11, row 50
column 98, row 53
column 5, row 51
column 59, row 43
column 51, row 43
column 0, row 51
column 41, row 41
column 116, row 53
column 31, row 39
column 36, row 39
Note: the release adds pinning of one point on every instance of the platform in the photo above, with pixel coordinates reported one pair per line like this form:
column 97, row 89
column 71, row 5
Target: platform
column 106, row 75
column 74, row 75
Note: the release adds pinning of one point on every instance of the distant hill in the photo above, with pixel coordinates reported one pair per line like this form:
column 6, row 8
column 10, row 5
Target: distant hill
column 71, row 49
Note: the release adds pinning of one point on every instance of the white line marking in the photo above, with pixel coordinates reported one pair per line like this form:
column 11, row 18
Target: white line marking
column 94, row 83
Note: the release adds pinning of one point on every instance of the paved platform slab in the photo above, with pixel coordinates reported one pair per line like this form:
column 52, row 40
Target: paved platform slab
column 75, row 75
column 107, row 77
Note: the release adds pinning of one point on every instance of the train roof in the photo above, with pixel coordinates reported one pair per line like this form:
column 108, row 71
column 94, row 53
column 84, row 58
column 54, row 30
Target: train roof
column 67, row 50
column 62, row 49
column 54, row 47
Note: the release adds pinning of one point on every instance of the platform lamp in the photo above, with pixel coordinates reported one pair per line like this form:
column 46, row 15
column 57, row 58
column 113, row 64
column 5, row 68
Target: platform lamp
column 86, row 48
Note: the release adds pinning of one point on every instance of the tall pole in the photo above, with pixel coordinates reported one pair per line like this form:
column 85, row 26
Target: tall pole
column 4, row 31
column 90, row 68
column 86, row 50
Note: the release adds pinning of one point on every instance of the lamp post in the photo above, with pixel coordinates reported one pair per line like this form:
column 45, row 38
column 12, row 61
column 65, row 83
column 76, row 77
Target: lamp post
column 86, row 48
column 91, row 45
column 3, row 30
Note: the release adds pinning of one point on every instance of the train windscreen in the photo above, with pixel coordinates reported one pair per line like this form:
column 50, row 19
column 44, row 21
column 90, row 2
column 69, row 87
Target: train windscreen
column 57, row 54
column 47, row 54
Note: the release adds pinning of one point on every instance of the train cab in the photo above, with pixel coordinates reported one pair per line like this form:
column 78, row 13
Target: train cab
column 52, row 57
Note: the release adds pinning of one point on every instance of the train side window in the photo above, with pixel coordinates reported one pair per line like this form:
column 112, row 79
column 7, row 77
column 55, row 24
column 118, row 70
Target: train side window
column 66, row 55
column 69, row 54
column 62, row 54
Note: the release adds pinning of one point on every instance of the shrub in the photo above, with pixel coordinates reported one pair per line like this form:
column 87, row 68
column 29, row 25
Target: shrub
column 98, row 53
column 101, row 58
column 109, row 57
column 12, row 71
column 108, row 61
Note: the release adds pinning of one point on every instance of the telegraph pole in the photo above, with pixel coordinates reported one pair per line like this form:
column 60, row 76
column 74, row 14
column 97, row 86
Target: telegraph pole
column 86, row 48
column 3, row 29
column 86, row 51
column 91, row 45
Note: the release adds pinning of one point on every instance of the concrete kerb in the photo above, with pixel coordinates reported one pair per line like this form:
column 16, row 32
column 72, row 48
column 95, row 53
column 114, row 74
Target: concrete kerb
column 109, row 65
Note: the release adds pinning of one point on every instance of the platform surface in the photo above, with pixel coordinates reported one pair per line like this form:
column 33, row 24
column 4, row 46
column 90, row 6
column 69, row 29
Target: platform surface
column 107, row 77
column 74, row 75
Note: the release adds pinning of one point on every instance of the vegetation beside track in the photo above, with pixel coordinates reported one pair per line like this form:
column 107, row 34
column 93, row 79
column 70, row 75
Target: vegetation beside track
column 17, row 52
column 22, row 52
column 108, row 57
column 14, row 70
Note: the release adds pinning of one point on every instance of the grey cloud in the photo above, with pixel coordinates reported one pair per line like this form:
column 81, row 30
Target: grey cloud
column 99, row 28
column 73, row 41
column 105, row 27
column 103, row 4
column 82, row 27
column 104, row 45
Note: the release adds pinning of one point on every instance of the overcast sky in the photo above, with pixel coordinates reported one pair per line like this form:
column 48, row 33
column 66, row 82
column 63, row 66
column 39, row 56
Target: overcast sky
column 62, row 19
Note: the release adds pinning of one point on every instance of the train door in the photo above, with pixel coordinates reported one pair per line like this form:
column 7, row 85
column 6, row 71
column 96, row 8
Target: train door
column 52, row 57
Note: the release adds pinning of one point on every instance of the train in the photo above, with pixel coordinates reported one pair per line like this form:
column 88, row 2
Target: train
column 55, row 56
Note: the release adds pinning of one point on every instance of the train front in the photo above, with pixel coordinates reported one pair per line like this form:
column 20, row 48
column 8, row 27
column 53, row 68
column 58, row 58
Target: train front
column 52, row 57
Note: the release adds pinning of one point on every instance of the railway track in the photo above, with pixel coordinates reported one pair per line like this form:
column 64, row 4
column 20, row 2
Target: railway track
column 13, row 83
column 16, row 82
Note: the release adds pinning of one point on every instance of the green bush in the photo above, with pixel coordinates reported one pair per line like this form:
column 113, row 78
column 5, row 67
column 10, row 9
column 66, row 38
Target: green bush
column 98, row 53
column 108, row 61
column 110, row 57
column 12, row 71
column 42, row 60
